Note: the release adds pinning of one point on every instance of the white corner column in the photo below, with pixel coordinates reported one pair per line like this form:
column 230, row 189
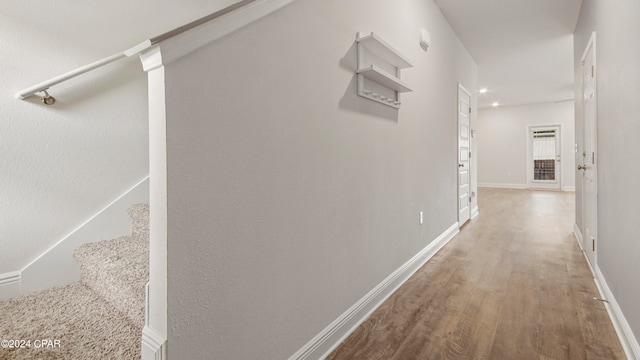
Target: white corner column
column 154, row 333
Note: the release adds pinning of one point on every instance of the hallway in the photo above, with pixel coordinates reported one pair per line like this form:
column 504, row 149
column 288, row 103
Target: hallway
column 513, row 284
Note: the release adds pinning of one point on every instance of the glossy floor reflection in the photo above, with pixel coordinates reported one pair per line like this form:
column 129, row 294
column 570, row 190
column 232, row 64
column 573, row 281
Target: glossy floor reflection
column 513, row 284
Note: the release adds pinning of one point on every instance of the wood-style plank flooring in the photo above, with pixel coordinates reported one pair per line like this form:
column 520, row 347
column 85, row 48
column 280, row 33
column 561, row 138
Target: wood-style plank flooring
column 513, row 284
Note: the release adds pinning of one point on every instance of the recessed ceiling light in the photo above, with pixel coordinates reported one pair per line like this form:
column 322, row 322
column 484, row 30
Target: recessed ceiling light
column 495, row 104
column 483, row 90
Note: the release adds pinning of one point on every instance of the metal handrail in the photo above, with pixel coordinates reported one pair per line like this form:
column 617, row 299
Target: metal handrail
column 66, row 76
column 43, row 86
column 196, row 23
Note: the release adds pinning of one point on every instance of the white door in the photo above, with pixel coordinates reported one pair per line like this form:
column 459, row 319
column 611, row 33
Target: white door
column 543, row 157
column 464, row 111
column 589, row 155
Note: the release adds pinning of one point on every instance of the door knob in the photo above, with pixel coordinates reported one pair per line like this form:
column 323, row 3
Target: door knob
column 582, row 167
column 461, row 165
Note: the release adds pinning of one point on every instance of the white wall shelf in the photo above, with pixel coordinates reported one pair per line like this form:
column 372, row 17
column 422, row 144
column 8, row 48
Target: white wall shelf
column 384, row 78
column 373, row 55
column 381, row 48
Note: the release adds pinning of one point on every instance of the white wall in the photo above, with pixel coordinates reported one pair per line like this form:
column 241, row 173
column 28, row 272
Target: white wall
column 502, row 142
column 60, row 165
column 290, row 197
column 618, row 90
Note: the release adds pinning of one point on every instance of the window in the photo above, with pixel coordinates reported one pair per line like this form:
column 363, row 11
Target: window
column 544, row 154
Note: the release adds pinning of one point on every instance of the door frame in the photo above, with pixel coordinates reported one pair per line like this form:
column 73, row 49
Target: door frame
column 531, row 183
column 468, row 168
column 589, row 246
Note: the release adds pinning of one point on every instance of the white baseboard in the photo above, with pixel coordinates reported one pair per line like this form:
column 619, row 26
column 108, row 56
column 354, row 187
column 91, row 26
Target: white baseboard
column 9, row 285
column 578, row 233
column 154, row 346
column 502, row 186
column 56, row 266
column 568, row 188
column 625, row 334
column 328, row 339
column 474, row 212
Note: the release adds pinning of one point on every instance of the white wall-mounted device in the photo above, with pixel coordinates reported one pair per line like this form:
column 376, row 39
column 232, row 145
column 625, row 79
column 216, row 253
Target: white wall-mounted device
column 425, row 39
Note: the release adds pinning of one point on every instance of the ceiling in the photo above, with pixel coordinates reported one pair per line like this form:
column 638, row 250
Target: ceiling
column 101, row 28
column 523, row 48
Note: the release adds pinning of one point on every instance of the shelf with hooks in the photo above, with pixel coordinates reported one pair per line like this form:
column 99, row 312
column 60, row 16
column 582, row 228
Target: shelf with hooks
column 380, row 63
column 384, row 78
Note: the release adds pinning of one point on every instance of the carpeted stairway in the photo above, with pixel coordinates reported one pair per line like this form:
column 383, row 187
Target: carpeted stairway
column 99, row 317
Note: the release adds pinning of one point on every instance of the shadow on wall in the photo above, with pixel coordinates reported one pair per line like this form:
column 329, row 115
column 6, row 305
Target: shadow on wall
column 351, row 101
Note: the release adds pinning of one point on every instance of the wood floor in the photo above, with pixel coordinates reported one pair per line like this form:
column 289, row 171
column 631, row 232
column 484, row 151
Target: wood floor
column 512, row 285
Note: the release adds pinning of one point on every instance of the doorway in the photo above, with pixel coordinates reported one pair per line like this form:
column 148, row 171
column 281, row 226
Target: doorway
column 543, row 157
column 589, row 164
column 464, row 168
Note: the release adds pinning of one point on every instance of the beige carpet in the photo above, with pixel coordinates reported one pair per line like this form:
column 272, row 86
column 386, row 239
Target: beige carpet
column 87, row 326
column 117, row 270
column 99, row 317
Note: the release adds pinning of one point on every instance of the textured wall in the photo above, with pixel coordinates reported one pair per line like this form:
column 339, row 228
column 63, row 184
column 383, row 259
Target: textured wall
column 618, row 90
column 60, row 165
column 290, row 197
column 502, row 141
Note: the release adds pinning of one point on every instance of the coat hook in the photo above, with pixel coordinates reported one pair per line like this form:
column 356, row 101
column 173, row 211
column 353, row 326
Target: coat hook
column 48, row 99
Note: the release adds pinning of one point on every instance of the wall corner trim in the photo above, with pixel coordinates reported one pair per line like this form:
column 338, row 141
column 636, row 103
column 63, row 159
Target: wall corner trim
column 578, row 234
column 56, row 266
column 151, row 58
column 328, row 339
column 9, row 278
column 625, row 334
column 184, row 43
column 154, row 346
column 10, row 285
column 474, row 212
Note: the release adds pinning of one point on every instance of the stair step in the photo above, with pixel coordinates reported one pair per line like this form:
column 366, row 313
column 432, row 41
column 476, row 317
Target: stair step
column 117, row 270
column 102, row 314
column 86, row 326
column 139, row 214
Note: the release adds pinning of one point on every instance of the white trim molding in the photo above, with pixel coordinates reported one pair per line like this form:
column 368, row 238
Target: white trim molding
column 175, row 47
column 157, row 289
column 503, row 186
column 154, row 346
column 56, row 266
column 180, row 45
column 10, row 285
column 578, row 233
column 625, row 334
column 151, row 58
column 328, row 339
column 474, row 212
column 568, row 188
